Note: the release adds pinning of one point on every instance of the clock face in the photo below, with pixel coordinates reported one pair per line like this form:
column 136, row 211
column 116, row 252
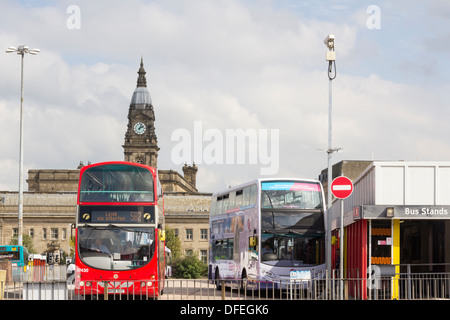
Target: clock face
column 139, row 128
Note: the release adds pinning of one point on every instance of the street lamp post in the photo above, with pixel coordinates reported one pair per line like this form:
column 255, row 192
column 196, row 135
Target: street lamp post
column 21, row 50
column 331, row 57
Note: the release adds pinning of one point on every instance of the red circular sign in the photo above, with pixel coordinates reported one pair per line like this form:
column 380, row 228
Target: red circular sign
column 342, row 187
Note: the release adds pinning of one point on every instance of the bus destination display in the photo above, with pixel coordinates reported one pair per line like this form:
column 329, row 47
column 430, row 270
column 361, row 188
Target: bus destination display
column 117, row 214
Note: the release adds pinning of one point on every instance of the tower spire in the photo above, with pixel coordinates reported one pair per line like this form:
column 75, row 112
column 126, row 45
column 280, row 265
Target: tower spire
column 142, row 81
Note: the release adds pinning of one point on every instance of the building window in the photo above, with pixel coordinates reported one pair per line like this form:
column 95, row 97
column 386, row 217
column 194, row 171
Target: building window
column 44, row 233
column 64, row 234
column 15, row 232
column 176, row 232
column 189, row 252
column 54, row 234
column 31, row 233
column 189, row 234
column 204, row 255
column 203, row 234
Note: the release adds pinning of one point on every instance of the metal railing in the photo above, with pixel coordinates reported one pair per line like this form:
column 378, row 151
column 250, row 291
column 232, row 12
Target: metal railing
column 54, row 284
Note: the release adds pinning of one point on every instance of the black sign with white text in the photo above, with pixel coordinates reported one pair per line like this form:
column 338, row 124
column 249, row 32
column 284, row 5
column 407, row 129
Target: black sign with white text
column 406, row 212
column 116, row 214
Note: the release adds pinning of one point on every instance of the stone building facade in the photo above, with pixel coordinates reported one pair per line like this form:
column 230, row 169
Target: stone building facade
column 51, row 180
column 188, row 215
column 48, row 219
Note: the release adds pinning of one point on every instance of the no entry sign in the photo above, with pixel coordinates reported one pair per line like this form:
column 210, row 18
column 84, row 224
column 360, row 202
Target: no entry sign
column 342, row 187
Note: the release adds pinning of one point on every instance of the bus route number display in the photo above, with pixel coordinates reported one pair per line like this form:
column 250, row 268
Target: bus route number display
column 106, row 214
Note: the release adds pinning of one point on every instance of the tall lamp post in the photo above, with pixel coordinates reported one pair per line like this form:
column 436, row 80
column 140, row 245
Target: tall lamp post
column 21, row 50
column 331, row 58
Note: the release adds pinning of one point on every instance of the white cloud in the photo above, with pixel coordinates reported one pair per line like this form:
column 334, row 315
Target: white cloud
column 226, row 63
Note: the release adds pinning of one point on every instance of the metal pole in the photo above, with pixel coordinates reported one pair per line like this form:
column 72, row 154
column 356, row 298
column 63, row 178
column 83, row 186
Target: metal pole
column 20, row 231
column 330, row 177
column 341, row 249
column 408, row 277
column 21, row 50
column 331, row 57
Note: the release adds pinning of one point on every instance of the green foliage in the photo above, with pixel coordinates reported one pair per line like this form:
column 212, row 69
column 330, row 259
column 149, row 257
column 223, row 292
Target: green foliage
column 26, row 241
column 190, row 268
column 173, row 243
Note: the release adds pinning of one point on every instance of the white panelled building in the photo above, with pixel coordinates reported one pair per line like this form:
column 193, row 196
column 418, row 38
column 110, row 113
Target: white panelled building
column 397, row 218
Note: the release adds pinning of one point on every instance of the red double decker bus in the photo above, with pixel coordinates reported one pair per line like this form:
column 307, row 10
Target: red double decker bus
column 119, row 231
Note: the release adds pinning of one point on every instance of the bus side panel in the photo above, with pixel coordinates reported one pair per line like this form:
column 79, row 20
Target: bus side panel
column 250, row 253
column 242, row 260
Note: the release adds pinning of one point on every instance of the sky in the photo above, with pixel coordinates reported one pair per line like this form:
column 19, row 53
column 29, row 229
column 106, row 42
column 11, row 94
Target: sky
column 214, row 68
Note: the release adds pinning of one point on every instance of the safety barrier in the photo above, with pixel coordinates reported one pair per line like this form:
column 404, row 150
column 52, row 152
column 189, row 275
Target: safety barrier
column 402, row 286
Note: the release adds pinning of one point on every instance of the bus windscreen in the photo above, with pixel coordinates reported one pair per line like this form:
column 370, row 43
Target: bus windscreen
column 291, row 195
column 117, row 183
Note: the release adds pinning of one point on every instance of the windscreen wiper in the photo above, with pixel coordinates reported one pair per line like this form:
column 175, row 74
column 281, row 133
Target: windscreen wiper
column 128, row 229
column 94, row 227
column 298, row 231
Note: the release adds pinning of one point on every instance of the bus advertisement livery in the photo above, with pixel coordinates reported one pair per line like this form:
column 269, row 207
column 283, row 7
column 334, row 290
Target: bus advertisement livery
column 268, row 232
column 18, row 255
column 119, row 231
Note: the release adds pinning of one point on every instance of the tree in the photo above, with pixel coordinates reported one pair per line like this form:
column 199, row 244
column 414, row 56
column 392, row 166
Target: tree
column 190, row 268
column 27, row 242
column 173, row 243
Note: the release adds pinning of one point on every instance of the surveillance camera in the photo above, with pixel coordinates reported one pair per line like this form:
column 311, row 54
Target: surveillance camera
column 329, row 41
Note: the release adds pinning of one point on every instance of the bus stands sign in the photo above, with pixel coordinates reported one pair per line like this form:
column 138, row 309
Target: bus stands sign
column 116, row 214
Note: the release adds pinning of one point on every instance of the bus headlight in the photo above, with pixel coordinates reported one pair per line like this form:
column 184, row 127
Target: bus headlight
column 267, row 274
column 81, row 283
column 148, row 283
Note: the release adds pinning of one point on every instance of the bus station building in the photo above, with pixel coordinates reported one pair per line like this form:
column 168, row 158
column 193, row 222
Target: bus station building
column 396, row 221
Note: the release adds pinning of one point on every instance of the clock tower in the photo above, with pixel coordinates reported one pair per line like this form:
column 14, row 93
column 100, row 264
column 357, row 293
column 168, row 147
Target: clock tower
column 141, row 144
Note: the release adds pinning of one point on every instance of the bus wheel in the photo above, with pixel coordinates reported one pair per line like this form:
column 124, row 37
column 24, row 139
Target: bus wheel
column 244, row 280
column 217, row 280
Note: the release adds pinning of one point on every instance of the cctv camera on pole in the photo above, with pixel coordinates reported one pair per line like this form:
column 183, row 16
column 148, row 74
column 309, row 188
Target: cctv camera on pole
column 330, row 57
